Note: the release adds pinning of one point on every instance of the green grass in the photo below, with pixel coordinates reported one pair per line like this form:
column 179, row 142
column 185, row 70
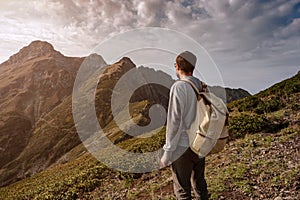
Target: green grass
column 247, row 166
column 77, row 178
column 238, row 168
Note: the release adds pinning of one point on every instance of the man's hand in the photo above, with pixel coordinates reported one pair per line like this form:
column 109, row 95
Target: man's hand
column 165, row 159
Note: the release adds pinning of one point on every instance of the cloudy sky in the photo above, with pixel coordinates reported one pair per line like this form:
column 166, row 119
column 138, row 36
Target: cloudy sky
column 255, row 43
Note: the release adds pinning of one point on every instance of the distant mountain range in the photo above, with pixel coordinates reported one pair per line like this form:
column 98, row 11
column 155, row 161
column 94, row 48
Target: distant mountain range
column 36, row 123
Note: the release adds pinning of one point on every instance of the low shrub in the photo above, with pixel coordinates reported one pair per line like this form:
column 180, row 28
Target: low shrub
column 245, row 123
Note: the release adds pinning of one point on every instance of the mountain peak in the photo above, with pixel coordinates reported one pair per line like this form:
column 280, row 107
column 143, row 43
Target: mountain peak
column 126, row 61
column 38, row 44
column 33, row 50
column 96, row 59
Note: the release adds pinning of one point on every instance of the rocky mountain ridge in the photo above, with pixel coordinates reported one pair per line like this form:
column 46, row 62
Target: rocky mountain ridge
column 32, row 83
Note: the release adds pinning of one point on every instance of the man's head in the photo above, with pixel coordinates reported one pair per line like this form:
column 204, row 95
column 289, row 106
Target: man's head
column 185, row 63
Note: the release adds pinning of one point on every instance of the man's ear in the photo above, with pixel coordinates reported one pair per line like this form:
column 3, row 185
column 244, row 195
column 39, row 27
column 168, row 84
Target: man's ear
column 179, row 68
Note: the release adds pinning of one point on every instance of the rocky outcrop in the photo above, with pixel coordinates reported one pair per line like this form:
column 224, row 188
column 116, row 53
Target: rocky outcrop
column 35, row 49
column 228, row 94
column 32, row 83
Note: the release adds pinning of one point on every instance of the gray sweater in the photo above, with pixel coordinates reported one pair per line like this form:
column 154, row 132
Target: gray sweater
column 181, row 114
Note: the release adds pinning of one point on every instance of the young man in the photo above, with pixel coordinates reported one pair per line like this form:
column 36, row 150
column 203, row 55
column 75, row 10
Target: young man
column 187, row 167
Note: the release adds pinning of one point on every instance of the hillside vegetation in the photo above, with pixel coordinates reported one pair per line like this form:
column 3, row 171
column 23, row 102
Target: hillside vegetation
column 260, row 162
column 268, row 111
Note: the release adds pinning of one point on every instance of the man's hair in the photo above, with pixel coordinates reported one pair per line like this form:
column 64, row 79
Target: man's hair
column 186, row 61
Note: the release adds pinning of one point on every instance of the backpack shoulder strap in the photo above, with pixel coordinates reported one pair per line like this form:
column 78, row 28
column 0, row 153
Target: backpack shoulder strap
column 207, row 98
column 197, row 91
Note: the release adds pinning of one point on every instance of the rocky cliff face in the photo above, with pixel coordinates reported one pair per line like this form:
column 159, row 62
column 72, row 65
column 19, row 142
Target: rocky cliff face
column 34, row 50
column 32, row 83
column 36, row 79
column 230, row 94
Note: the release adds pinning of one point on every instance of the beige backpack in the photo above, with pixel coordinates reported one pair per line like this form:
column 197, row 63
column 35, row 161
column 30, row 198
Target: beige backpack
column 208, row 133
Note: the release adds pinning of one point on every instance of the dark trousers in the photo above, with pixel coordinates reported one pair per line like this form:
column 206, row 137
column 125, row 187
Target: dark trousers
column 188, row 173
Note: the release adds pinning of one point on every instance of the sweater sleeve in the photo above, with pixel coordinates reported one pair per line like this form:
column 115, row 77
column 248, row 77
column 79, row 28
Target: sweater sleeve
column 174, row 117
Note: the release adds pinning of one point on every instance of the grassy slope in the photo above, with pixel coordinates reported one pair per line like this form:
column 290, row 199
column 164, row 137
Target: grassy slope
column 258, row 166
column 263, row 165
